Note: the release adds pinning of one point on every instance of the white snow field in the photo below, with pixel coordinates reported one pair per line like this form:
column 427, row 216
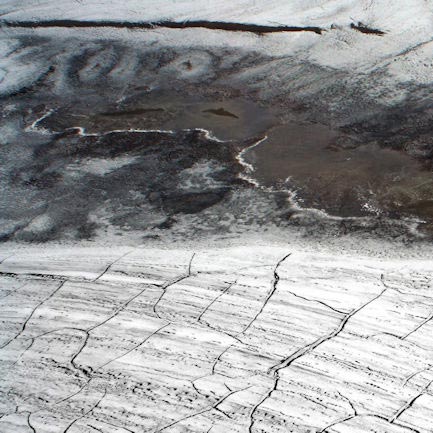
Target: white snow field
column 402, row 54
column 235, row 339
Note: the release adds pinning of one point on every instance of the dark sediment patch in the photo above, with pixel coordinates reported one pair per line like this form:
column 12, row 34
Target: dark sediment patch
column 406, row 126
column 211, row 25
column 360, row 27
column 192, row 202
column 423, row 208
column 220, row 112
column 23, row 91
column 138, row 178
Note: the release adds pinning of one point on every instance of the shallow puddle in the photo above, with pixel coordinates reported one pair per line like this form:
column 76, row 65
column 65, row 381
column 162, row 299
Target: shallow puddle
column 346, row 182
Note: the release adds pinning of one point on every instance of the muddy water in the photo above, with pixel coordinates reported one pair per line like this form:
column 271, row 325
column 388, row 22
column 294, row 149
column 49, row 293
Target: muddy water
column 310, row 160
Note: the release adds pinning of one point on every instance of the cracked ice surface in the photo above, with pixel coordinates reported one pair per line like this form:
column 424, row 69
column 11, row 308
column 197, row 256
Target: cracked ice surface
column 233, row 339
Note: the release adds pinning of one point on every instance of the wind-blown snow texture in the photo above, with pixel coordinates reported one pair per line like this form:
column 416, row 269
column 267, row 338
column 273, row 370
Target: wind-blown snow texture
column 265, row 339
column 408, row 25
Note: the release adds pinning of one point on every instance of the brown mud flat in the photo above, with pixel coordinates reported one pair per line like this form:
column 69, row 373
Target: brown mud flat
column 135, row 112
column 313, row 161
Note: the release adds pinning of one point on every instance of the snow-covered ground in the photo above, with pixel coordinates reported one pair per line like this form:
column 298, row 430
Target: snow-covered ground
column 229, row 339
column 394, row 16
column 408, row 25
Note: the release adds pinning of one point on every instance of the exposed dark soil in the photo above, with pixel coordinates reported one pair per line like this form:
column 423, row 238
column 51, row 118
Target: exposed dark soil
column 147, row 139
column 64, row 175
column 221, row 112
column 360, row 27
column 212, row 25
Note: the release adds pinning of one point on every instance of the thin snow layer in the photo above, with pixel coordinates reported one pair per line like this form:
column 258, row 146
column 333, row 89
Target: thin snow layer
column 234, row 339
column 388, row 14
column 101, row 166
column 408, row 27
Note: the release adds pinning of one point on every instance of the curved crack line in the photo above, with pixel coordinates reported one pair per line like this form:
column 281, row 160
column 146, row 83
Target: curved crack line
column 318, row 302
column 199, row 319
column 218, row 358
column 303, row 351
column 222, row 412
column 366, row 415
column 271, row 292
column 133, row 348
column 309, row 347
column 13, row 291
column 29, row 414
column 207, row 409
column 338, row 421
column 424, row 322
column 388, row 286
column 24, row 325
column 202, row 393
column 344, row 418
column 355, row 412
column 219, row 330
column 29, row 423
column 5, row 258
column 74, row 394
column 118, row 310
column 78, row 352
column 86, row 413
column 268, row 297
column 171, row 283
column 109, row 362
column 114, row 425
column 215, row 300
column 409, row 403
column 109, row 266
column 53, row 331
column 72, row 361
column 198, row 391
column 411, row 376
column 398, row 337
